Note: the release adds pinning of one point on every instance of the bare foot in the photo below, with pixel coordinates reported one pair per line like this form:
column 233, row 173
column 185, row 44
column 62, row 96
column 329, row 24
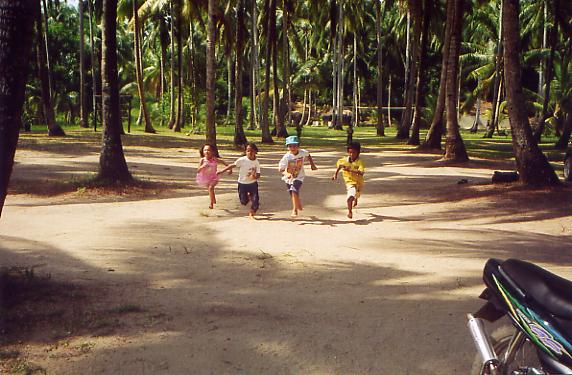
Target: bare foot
column 350, row 215
column 294, row 213
column 251, row 214
column 211, row 206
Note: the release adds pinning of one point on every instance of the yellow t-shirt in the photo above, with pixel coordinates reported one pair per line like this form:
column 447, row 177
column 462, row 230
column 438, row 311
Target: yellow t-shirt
column 356, row 165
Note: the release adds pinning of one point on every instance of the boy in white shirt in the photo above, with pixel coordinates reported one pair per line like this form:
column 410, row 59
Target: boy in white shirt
column 248, row 175
column 292, row 168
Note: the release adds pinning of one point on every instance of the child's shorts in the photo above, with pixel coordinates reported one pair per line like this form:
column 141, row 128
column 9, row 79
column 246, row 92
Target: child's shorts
column 294, row 187
column 353, row 191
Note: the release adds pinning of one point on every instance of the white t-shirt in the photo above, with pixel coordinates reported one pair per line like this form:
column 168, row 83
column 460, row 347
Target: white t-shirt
column 247, row 169
column 293, row 164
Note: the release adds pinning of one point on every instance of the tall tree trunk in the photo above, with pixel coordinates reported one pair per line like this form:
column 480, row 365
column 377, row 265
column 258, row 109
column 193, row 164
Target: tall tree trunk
column 435, row 133
column 112, row 164
column 421, row 68
column 94, row 66
column 549, row 73
column 389, row 101
column 264, row 124
column 380, row 127
column 239, row 136
column 335, row 87
column 254, row 110
column 411, row 60
column 229, row 87
column 531, row 163
column 139, row 69
column 497, row 92
column 16, row 25
column 47, row 45
column 163, row 40
column 211, row 73
column 454, row 146
column 179, row 33
column 194, row 105
column 338, row 125
column 173, row 84
column 49, row 116
column 283, row 108
column 83, row 110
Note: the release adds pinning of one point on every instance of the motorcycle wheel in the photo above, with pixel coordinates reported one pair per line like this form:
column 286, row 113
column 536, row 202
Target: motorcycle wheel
column 525, row 356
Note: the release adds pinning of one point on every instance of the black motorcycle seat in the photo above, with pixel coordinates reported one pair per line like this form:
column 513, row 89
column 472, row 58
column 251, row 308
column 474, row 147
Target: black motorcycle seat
column 549, row 290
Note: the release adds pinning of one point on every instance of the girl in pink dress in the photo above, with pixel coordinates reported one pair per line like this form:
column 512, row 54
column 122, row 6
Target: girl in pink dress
column 206, row 172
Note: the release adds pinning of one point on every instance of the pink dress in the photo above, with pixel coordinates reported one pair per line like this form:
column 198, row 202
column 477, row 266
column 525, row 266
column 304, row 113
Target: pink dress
column 207, row 176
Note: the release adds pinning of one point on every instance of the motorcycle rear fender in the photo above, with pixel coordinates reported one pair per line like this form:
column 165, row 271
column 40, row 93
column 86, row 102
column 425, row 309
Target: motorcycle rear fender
column 490, row 310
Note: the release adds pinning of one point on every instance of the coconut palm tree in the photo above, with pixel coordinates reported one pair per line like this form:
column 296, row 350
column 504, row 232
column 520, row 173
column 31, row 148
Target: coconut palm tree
column 17, row 20
column 112, row 164
column 454, row 146
column 49, row 116
column 531, row 163
column 82, row 71
column 210, row 74
column 239, row 136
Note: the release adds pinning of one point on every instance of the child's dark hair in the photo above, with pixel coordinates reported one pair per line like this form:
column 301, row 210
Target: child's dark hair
column 213, row 148
column 354, row 146
column 252, row 146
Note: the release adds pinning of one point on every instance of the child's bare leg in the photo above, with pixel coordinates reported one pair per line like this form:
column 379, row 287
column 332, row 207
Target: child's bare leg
column 295, row 204
column 212, row 196
column 351, row 201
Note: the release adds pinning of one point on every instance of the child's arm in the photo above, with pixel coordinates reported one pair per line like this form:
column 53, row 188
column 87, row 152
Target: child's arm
column 312, row 165
column 227, row 168
column 220, row 160
column 337, row 171
column 202, row 165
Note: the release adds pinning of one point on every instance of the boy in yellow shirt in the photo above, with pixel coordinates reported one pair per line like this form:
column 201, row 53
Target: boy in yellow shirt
column 353, row 169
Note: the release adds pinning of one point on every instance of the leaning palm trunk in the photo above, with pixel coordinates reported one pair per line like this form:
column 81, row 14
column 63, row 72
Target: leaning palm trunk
column 16, row 18
column 454, row 146
column 410, row 68
column 531, row 163
column 435, row 133
column 239, row 136
column 49, row 116
column 211, row 72
column 139, row 70
column 112, row 164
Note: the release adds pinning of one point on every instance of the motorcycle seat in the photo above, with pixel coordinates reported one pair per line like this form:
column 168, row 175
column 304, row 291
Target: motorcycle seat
column 549, row 290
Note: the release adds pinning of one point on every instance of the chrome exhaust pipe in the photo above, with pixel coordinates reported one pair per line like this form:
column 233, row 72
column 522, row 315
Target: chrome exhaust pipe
column 483, row 343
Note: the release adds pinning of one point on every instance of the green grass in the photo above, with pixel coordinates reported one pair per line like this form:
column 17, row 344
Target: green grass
column 496, row 148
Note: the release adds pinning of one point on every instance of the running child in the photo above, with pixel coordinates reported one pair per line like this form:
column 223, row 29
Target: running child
column 248, row 175
column 207, row 171
column 354, row 169
column 292, row 168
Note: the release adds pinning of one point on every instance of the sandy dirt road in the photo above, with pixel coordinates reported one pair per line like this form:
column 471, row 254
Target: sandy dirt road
column 167, row 286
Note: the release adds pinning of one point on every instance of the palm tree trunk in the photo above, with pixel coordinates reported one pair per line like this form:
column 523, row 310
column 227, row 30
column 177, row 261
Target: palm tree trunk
column 410, row 68
column 239, row 136
column 229, row 102
column 83, row 111
column 179, row 33
column 454, row 146
column 264, row 125
column 94, row 66
column 139, row 70
column 254, row 109
column 492, row 123
column 380, row 127
column 172, row 83
column 435, row 133
column 549, row 74
column 17, row 20
column 340, row 70
column 49, row 116
column 211, row 73
column 47, row 45
column 112, row 164
column 531, row 163
column 283, row 107
column 420, row 82
column 564, row 139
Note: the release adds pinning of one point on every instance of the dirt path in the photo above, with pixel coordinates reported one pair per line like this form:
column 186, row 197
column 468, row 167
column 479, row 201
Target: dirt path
column 162, row 285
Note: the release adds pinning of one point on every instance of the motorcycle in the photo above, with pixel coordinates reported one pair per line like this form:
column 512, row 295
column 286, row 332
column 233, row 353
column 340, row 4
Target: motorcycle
column 539, row 305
